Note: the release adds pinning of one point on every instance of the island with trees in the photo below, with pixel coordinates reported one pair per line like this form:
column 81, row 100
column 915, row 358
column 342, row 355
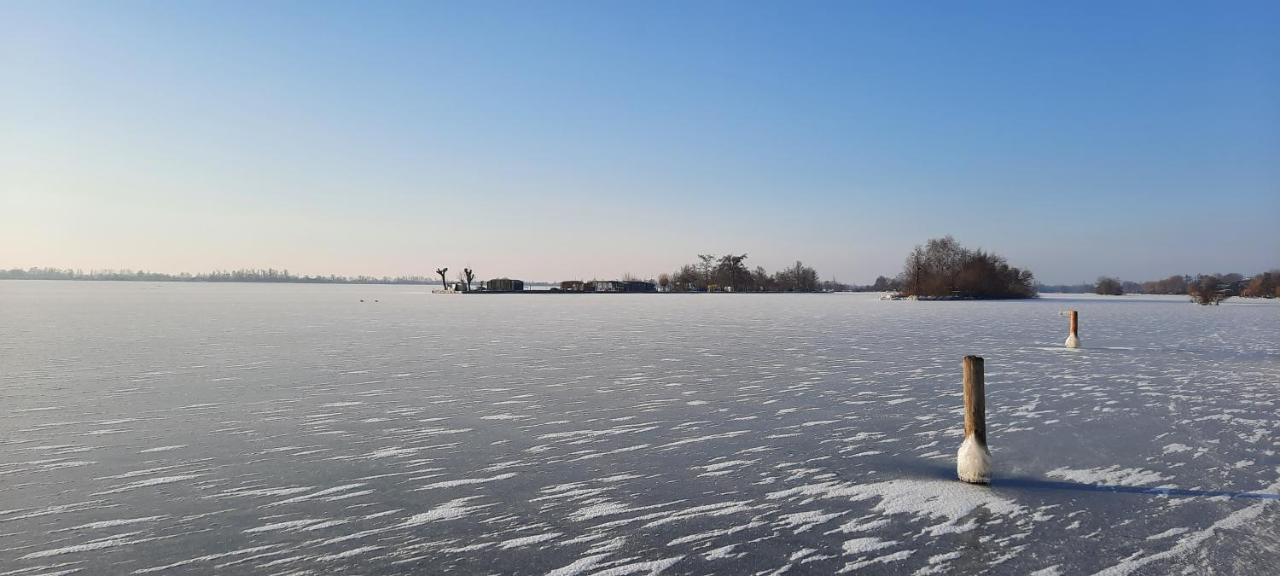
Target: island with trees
column 943, row 269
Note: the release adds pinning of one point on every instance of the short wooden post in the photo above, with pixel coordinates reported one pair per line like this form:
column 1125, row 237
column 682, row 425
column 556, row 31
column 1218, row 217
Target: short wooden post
column 973, row 460
column 1073, row 337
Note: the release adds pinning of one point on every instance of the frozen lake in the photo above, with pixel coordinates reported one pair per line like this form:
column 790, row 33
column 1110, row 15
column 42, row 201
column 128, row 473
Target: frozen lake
column 281, row 429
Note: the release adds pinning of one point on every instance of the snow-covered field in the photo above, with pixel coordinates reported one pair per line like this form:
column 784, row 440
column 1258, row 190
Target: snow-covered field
column 285, row 429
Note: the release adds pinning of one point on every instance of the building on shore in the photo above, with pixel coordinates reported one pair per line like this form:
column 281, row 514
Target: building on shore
column 504, row 285
column 639, row 286
column 572, row 286
column 603, row 286
column 619, row 286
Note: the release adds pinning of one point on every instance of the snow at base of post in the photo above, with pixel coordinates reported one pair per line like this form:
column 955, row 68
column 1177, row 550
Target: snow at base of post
column 1073, row 342
column 973, row 462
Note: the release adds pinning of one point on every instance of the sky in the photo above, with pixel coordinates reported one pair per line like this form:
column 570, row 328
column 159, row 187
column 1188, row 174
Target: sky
column 557, row 140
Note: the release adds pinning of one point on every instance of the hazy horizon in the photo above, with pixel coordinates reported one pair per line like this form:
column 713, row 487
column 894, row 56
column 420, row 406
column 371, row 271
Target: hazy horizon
column 560, row 140
column 453, row 275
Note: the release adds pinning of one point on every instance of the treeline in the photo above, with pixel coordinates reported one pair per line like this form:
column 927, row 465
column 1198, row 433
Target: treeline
column 1111, row 286
column 729, row 273
column 1203, row 288
column 1264, row 285
column 244, row 275
column 942, row 268
column 1214, row 288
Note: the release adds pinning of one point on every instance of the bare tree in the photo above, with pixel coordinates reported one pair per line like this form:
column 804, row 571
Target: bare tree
column 687, row 278
column 706, row 264
column 913, row 273
column 664, row 281
column 944, row 258
column 732, row 272
column 1208, row 289
column 804, row 278
column 468, row 275
column 443, row 280
column 762, row 280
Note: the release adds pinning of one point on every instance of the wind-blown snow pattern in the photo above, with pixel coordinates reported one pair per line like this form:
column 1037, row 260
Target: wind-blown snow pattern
column 283, row 429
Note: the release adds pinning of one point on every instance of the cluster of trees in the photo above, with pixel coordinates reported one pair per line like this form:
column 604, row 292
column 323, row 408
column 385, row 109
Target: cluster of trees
column 729, row 272
column 1212, row 288
column 942, row 268
column 245, row 275
column 1108, row 286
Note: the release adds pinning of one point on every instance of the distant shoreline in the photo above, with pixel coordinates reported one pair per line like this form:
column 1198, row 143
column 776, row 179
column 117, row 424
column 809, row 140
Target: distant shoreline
column 206, row 281
column 241, row 277
column 232, row 281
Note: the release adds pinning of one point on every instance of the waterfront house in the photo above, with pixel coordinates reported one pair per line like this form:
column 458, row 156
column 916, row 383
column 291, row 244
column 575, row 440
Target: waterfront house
column 603, row 286
column 619, row 286
column 639, row 286
column 504, row 285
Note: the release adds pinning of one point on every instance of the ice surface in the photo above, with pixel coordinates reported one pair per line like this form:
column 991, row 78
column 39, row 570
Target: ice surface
column 276, row 429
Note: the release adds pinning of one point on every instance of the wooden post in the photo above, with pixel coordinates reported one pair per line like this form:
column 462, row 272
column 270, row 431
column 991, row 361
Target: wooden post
column 1073, row 338
column 973, row 461
column 975, row 399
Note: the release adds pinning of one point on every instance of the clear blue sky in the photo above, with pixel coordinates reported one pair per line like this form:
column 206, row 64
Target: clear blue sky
column 553, row 140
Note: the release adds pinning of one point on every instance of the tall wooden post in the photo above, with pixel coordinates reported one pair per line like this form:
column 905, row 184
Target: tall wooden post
column 973, row 460
column 1073, row 338
column 975, row 399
